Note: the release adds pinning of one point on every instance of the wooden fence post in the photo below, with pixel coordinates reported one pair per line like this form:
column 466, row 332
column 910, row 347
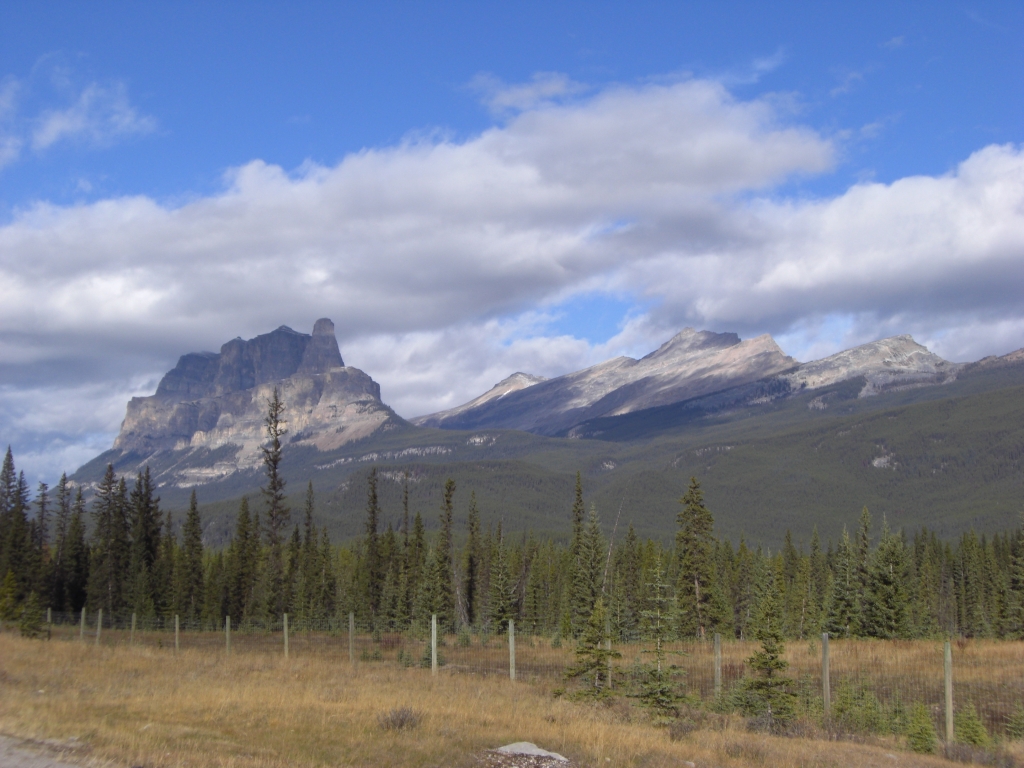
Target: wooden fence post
column 176, row 644
column 608, row 647
column 131, row 637
column 948, row 665
column 81, row 630
column 433, row 644
column 351, row 638
column 718, row 666
column 49, row 617
column 227, row 634
column 511, row 650
column 99, row 625
column 826, row 682
column 286, row 635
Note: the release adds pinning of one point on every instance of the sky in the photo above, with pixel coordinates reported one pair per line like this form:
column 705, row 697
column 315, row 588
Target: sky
column 474, row 189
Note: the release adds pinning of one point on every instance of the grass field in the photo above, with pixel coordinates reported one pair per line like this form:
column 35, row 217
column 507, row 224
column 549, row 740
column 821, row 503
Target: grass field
column 146, row 705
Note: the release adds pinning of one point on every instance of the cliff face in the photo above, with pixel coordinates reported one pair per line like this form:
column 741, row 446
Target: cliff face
column 213, row 400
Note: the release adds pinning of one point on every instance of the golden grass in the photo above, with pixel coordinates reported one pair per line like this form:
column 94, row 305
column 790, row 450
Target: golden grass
column 148, row 706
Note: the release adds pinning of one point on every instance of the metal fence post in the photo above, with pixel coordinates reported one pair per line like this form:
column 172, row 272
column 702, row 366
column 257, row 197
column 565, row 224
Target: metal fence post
column 511, row 650
column 433, row 643
column 351, row 638
column 948, row 665
column 131, row 637
column 81, row 630
column 176, row 643
column 227, row 634
column 826, row 683
column 286, row 635
column 718, row 665
column 99, row 625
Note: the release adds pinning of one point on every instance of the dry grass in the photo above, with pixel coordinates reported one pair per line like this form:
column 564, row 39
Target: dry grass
column 147, row 706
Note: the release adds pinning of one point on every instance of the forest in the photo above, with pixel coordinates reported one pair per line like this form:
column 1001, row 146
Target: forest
column 123, row 554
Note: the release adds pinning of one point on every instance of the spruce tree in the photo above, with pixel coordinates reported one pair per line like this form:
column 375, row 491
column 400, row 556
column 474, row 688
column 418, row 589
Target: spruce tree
column 77, row 558
column 441, row 586
column 580, row 600
column 110, row 550
column 699, row 612
column 373, row 570
column 193, row 597
column 768, row 692
column 471, row 564
column 843, row 616
column 591, row 668
column 59, row 572
column 887, row 610
column 278, row 514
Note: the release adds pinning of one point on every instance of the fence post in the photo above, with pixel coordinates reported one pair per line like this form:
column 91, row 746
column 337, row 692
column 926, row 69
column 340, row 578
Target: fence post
column 826, row 682
column 608, row 647
column 99, row 625
column 131, row 637
column 227, row 634
column 511, row 650
column 718, row 665
column 49, row 617
column 351, row 638
column 286, row 635
column 81, row 630
column 176, row 646
column 433, row 644
column 949, row 692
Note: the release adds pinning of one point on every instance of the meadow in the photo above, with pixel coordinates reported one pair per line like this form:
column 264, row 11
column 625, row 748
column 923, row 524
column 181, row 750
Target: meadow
column 145, row 704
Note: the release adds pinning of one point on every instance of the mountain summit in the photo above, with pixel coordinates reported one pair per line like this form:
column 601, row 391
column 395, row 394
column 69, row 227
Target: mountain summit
column 218, row 401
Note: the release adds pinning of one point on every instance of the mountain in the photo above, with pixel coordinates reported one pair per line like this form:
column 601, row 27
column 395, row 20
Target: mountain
column 919, row 440
column 690, row 364
column 208, row 411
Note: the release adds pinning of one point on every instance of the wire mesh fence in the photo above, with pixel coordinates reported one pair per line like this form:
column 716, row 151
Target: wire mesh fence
column 872, row 684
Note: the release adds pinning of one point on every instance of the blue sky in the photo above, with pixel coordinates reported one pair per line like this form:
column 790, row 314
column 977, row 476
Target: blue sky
column 469, row 189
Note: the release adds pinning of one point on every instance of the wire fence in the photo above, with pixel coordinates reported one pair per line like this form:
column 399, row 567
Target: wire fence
column 871, row 684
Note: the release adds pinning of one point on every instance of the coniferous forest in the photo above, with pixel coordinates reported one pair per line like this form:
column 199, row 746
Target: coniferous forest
column 121, row 553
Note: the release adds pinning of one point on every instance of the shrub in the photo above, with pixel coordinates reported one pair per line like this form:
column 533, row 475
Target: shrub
column 400, row 719
column 31, row 621
column 921, row 736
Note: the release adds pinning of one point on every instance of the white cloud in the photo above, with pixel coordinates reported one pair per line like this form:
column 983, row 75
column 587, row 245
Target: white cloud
column 100, row 115
column 436, row 259
column 543, row 89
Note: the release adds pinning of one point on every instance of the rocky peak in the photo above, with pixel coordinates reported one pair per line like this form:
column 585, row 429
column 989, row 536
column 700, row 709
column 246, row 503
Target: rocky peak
column 322, row 353
column 690, row 340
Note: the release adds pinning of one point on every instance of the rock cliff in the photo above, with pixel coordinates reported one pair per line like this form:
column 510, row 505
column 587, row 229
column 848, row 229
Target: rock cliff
column 219, row 400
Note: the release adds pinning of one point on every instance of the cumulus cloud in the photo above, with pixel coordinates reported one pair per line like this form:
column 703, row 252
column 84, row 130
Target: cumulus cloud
column 442, row 262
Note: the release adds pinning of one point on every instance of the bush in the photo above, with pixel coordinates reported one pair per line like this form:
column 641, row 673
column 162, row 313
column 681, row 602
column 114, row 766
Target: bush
column 968, row 728
column 921, row 736
column 31, row 621
column 400, row 719
column 858, row 710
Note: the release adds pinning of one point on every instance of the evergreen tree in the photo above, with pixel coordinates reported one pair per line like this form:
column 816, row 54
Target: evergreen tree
column 586, row 575
column 441, row 581
column 144, row 525
column 59, row 569
column 192, row 598
column 110, row 549
column 278, row 514
column 843, row 616
column 887, row 610
column 591, row 667
column 373, row 570
column 501, row 602
column 77, row 558
column 699, row 611
column 658, row 689
column 471, row 564
column 580, row 584
column 768, row 692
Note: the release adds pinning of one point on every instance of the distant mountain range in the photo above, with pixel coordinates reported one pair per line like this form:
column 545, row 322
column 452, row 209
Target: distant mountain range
column 701, row 403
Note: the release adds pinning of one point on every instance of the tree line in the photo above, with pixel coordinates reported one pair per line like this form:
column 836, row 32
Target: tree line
column 123, row 554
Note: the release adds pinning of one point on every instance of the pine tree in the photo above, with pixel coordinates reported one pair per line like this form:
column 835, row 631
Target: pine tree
column 278, row 514
column 586, row 576
column 699, row 612
column 921, row 736
column 144, row 526
column 59, row 571
column 193, row 597
column 658, row 689
column 373, row 570
column 441, row 586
